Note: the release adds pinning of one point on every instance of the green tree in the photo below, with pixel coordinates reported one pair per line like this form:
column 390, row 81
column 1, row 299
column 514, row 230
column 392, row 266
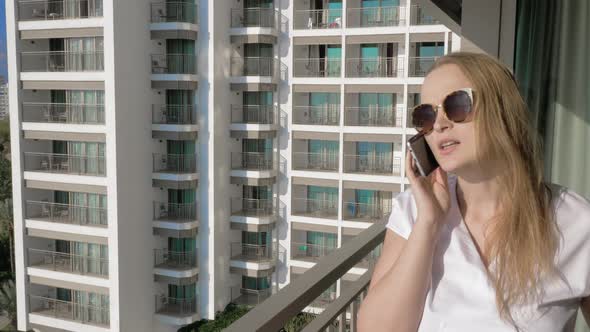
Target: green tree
column 298, row 322
column 5, row 179
column 8, row 300
column 7, row 229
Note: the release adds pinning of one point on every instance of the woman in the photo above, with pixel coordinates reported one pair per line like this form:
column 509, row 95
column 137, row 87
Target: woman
column 482, row 243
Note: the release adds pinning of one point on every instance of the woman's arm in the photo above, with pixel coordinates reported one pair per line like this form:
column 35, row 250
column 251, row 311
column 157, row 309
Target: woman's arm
column 586, row 309
column 395, row 300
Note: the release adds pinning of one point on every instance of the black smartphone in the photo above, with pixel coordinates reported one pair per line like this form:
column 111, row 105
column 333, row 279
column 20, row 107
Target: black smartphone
column 423, row 157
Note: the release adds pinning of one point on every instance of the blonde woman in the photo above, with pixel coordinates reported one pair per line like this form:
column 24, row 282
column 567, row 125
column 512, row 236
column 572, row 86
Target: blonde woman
column 482, row 243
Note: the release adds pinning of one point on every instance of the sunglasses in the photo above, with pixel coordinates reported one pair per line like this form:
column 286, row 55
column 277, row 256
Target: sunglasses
column 457, row 105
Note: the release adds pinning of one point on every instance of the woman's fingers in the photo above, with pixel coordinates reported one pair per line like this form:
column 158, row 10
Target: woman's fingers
column 410, row 168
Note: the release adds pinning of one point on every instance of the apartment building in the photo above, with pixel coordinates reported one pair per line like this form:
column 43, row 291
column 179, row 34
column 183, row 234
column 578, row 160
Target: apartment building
column 171, row 157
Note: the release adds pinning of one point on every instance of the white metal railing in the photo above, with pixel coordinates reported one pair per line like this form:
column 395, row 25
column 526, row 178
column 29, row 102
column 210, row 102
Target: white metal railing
column 63, row 113
column 317, row 67
column 254, row 66
column 325, row 115
column 316, row 161
column 62, row 61
column 373, row 116
column 37, row 10
column 179, row 212
column 247, row 296
column 254, row 17
column 368, row 17
column 67, row 262
column 252, row 252
column 174, row 114
column 321, row 208
column 175, row 163
column 170, row 11
column 256, row 207
column 417, row 17
column 65, row 163
column 318, row 19
column 419, row 66
column 310, row 251
column 376, row 163
column 256, row 161
column 254, row 114
column 374, row 67
column 66, row 213
column 174, row 63
column 84, row 313
column 366, row 211
column 175, row 259
column 166, row 305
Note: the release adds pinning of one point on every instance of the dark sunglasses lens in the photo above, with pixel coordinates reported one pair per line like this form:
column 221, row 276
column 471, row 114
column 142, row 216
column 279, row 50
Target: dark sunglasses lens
column 457, row 106
column 423, row 117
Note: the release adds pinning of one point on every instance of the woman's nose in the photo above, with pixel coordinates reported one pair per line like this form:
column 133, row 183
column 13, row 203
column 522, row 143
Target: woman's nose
column 442, row 122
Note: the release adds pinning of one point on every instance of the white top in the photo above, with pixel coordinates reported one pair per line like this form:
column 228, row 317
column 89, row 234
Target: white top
column 461, row 298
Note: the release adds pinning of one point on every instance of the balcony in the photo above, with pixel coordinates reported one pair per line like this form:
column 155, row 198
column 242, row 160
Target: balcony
column 320, row 115
column 62, row 61
column 254, row 18
column 255, row 114
column 418, row 17
column 252, row 161
column 249, row 297
column 175, row 307
column 253, row 207
column 257, row 253
column 316, row 161
column 372, row 17
column 365, row 212
column 373, row 116
column 375, row 164
column 68, row 263
column 317, row 67
column 175, row 163
column 174, row 12
column 64, row 163
column 175, row 260
column 63, row 113
column 174, row 114
column 66, row 213
column 374, row 67
column 70, row 311
column 309, row 252
column 317, row 208
column 318, row 19
column 175, row 212
column 419, row 66
column 43, row 10
column 174, row 64
column 254, row 66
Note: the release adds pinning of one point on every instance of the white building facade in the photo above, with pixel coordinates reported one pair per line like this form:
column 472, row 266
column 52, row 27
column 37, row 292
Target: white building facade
column 171, row 157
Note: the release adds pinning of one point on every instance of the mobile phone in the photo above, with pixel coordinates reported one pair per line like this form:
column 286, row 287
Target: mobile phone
column 422, row 154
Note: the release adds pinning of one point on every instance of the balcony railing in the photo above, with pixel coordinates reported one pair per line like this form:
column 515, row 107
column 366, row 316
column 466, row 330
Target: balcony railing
column 252, row 252
column 66, row 213
column 419, row 66
column 369, row 212
column 174, row 64
column 374, row 67
column 253, row 207
column 318, row 19
column 254, row 114
column 182, row 12
column 315, row 161
column 179, row 212
column 62, row 61
column 65, row 163
column 175, row 259
column 309, row 252
column 317, row 67
column 175, row 163
column 273, row 314
column 175, row 306
column 249, row 297
column 372, row 164
column 63, row 113
column 320, row 208
column 324, row 115
column 38, row 10
column 254, row 66
column 72, row 311
column 369, row 17
column 254, row 18
column 253, row 161
column 174, row 114
column 69, row 263
column 417, row 17
column 373, row 116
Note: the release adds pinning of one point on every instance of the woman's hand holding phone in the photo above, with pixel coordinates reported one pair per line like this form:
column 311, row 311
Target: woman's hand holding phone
column 431, row 193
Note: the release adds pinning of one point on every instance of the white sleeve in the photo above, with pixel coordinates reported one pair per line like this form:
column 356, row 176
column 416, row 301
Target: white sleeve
column 403, row 214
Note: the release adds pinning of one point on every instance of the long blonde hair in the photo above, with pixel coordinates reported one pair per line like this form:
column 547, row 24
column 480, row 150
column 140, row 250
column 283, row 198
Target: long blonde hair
column 524, row 237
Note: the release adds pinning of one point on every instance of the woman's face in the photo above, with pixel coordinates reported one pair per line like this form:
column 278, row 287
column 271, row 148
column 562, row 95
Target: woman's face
column 459, row 157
